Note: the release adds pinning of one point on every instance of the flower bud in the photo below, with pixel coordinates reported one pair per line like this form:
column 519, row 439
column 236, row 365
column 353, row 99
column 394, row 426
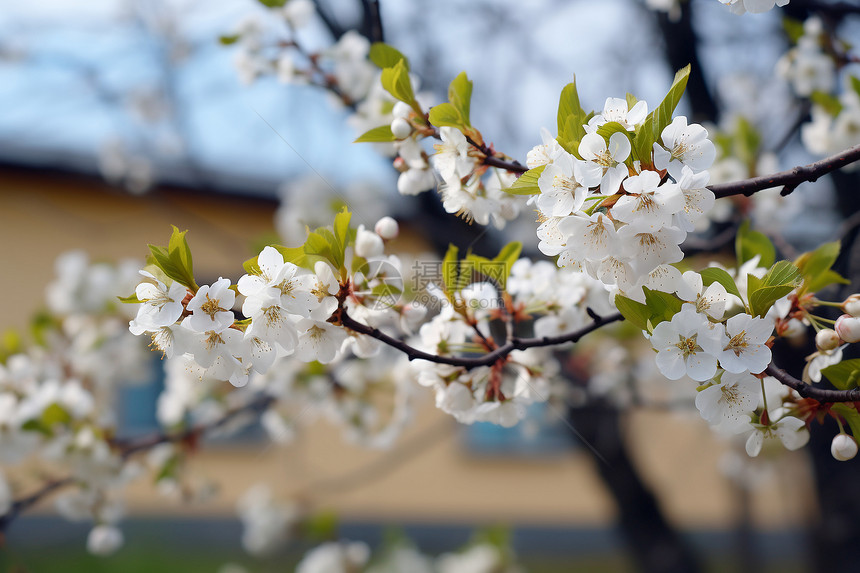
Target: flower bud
column 415, row 181
column 843, row 447
column 401, row 109
column 368, row 244
column 793, row 327
column 106, row 539
column 848, row 328
column 826, row 339
column 400, row 128
column 852, row 305
column 387, row 228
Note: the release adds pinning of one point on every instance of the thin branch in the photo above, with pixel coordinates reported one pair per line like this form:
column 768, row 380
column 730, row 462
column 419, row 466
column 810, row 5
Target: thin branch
column 25, row 503
column 487, row 359
column 131, row 447
column 790, row 179
column 808, row 391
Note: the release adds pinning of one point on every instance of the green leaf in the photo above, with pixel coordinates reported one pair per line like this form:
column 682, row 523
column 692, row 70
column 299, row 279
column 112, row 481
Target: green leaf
column 855, row 84
column 460, row 96
column 272, row 3
column 132, row 299
column 781, row 279
column 631, row 100
column 815, row 267
column 321, row 526
column 829, row 102
column 635, row 312
column 381, row 134
column 749, row 243
column 445, row 114
column 53, row 415
column 396, row 81
column 227, row 40
column 175, row 259
column 851, row 416
column 386, row 56
column 793, row 29
column 451, row 269
column 661, row 305
column 651, row 130
column 571, row 118
column 715, row 274
column 747, row 141
column 844, row 375
column 507, row 257
column 527, row 183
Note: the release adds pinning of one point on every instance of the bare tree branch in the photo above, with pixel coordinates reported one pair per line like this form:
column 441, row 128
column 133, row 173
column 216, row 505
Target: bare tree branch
column 129, row 448
column 823, row 395
column 487, row 359
column 790, row 179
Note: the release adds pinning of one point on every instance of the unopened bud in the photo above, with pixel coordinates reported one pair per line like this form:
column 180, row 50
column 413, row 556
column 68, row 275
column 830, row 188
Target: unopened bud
column 826, row 339
column 415, row 181
column 848, row 328
column 852, row 305
column 793, row 327
column 400, row 128
column 387, row 228
column 401, row 109
column 368, row 244
column 843, row 447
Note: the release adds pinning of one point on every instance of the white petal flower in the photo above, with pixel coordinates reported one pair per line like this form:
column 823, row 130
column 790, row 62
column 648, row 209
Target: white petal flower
column 210, row 307
column 746, row 349
column 650, row 206
column 684, row 145
column 591, row 237
column 729, row 403
column 711, row 301
column 609, row 158
column 688, row 344
column 791, row 431
column 698, row 199
column 318, row 341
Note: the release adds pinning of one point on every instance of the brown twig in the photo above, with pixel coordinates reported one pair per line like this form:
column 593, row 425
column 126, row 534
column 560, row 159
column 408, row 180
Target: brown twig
column 487, row 359
column 823, row 395
column 789, row 180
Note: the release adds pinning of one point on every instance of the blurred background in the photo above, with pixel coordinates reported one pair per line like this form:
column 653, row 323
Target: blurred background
column 122, row 117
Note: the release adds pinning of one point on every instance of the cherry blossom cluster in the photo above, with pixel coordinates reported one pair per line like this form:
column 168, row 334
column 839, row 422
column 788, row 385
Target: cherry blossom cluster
column 556, row 299
column 725, row 354
column 57, row 395
column 604, row 214
column 821, row 67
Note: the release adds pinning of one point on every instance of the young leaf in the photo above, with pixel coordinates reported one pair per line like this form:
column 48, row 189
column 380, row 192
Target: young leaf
column 446, row 114
column 381, row 134
column 749, row 243
column 506, row 258
column 527, row 184
column 396, row 81
column 386, row 56
column 815, row 267
column 635, row 312
column 571, row 118
column 460, row 96
column 662, row 306
column 716, row 274
column 651, row 130
column 450, row 270
column 129, row 299
column 844, row 375
column 780, row 280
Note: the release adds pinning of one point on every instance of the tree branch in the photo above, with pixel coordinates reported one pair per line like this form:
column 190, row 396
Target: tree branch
column 487, row 359
column 788, row 179
column 131, row 447
column 824, row 395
